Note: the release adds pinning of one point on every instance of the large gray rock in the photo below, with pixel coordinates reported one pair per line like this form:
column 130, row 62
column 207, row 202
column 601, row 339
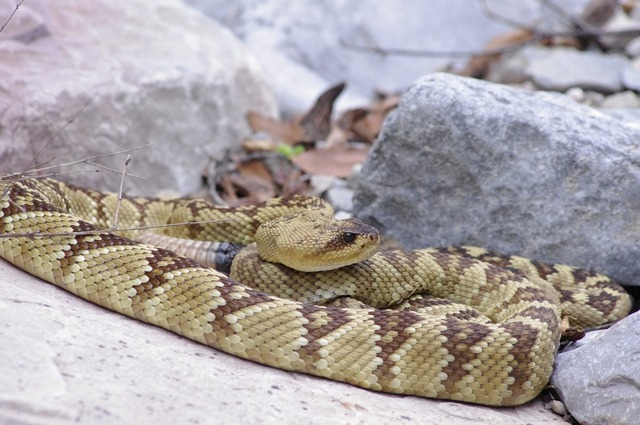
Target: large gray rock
column 65, row 361
column 463, row 161
column 89, row 78
column 600, row 381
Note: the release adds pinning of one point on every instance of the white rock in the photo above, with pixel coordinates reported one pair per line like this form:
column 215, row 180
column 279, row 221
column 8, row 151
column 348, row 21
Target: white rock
column 600, row 382
column 576, row 93
column 320, row 184
column 299, row 43
column 65, row 361
column 341, row 197
column 564, row 67
column 633, row 48
column 625, row 99
column 126, row 74
column 511, row 68
column 620, row 21
column 631, row 75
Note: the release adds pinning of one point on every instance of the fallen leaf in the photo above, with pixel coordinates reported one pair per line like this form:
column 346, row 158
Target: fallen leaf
column 333, row 161
column 364, row 124
column 317, row 122
column 599, row 12
column 311, row 127
column 288, row 132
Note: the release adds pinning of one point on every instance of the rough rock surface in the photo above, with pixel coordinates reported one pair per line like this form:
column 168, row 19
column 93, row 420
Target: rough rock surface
column 599, row 382
column 66, row 361
column 85, row 78
column 463, row 161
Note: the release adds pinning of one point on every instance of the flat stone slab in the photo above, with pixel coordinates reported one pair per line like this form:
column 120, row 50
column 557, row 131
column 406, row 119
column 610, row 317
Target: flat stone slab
column 66, row 361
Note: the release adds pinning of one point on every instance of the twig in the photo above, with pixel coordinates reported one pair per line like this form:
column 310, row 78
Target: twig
column 537, row 36
column 117, row 211
column 573, row 20
column 79, row 161
column 489, row 13
column 55, row 136
column 438, row 53
column 18, row 4
column 113, row 170
column 584, row 30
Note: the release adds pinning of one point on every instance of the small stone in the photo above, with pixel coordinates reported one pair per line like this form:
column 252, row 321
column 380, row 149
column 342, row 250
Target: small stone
column 557, row 407
column 631, row 75
column 633, row 48
column 625, row 99
column 320, row 184
column 354, row 177
column 585, row 97
column 341, row 198
column 576, row 93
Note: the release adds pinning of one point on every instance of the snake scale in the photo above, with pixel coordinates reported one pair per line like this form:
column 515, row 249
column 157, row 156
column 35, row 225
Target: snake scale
column 397, row 322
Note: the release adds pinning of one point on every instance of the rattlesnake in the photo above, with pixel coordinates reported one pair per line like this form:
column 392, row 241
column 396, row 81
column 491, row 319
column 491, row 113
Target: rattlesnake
column 394, row 322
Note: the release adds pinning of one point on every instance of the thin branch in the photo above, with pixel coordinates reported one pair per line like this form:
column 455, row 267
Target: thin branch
column 113, row 170
column 117, row 211
column 573, row 20
column 55, row 136
column 537, row 36
column 584, row 30
column 18, row 4
column 438, row 53
column 489, row 13
column 79, row 161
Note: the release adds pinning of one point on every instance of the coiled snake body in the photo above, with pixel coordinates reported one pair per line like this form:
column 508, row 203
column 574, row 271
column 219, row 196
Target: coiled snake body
column 396, row 322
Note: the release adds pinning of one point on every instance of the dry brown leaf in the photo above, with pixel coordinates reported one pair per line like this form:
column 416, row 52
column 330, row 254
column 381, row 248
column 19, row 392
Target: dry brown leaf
column 317, row 122
column 311, row 127
column 369, row 126
column 599, row 12
column 288, row 132
column 338, row 136
column 335, row 161
column 364, row 124
column 247, row 181
column 254, row 178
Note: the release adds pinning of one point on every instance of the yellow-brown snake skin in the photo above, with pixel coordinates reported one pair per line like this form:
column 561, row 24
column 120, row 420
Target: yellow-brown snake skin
column 413, row 336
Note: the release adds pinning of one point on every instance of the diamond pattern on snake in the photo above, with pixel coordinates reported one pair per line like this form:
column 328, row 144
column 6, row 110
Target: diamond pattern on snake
column 309, row 293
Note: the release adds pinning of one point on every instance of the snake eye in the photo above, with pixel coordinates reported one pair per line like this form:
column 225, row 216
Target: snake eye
column 348, row 237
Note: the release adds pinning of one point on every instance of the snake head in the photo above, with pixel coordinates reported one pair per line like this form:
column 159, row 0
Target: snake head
column 311, row 241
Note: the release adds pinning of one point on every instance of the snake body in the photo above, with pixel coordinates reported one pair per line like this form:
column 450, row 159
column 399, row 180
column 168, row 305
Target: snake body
column 398, row 322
